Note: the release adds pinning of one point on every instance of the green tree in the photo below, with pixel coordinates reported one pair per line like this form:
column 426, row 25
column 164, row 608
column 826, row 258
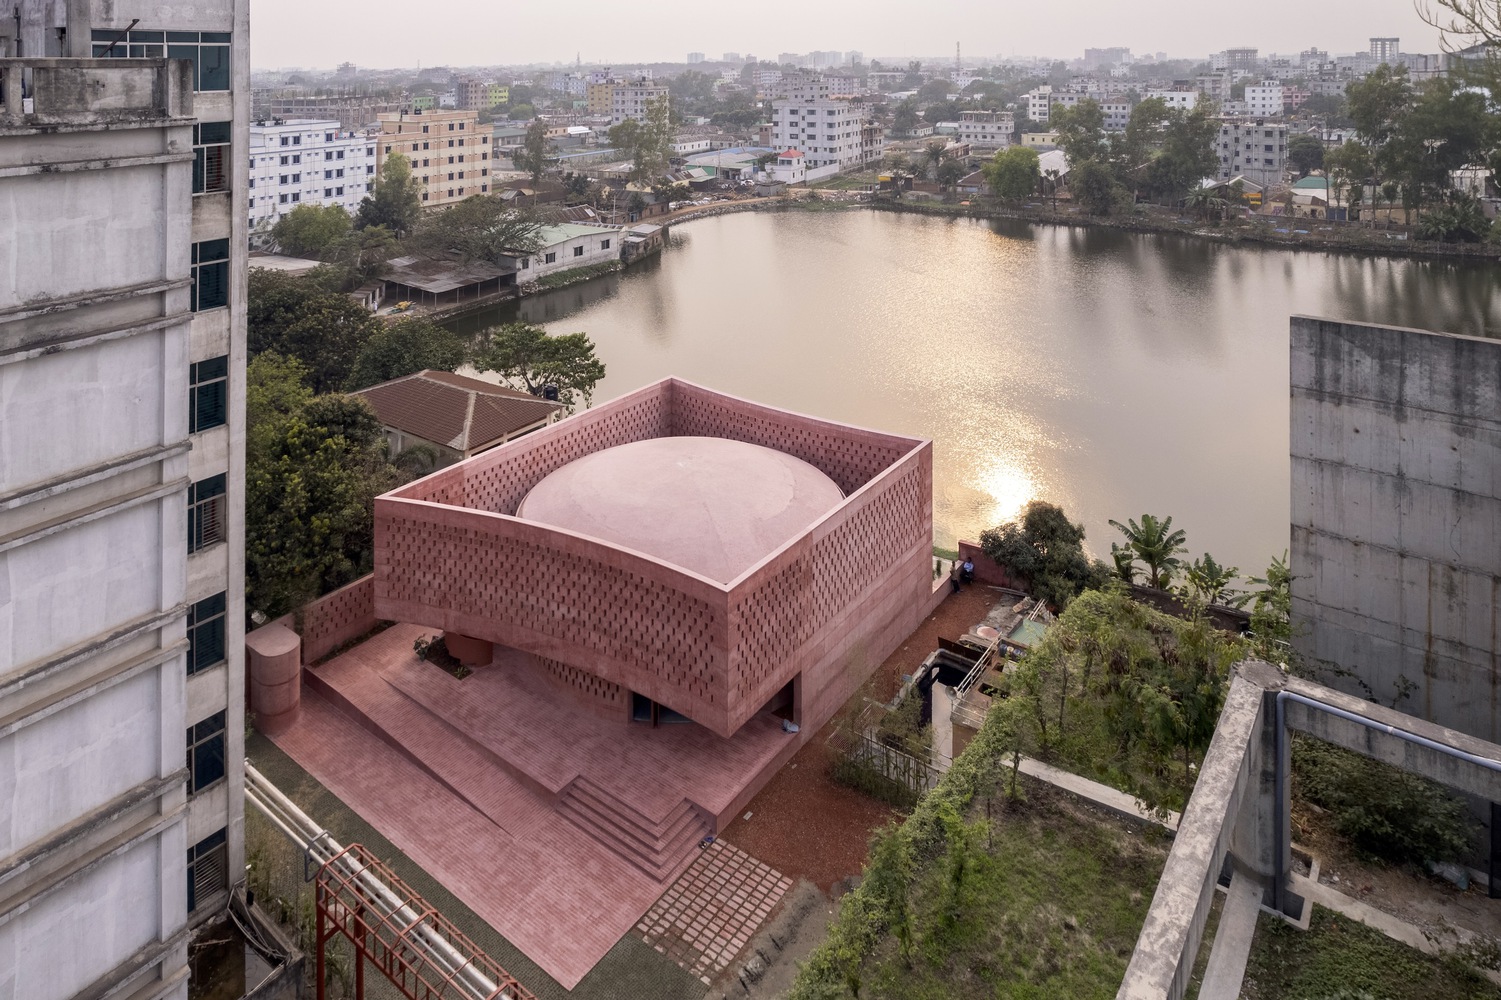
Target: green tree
column 395, row 201
column 932, row 157
column 308, row 230
column 1460, row 219
column 1157, row 545
column 323, row 330
column 275, row 388
column 647, row 142
column 358, row 257
column 534, row 152
column 1378, row 101
column 1045, row 548
column 309, row 504
column 481, row 228
column 1306, row 153
column 1081, row 132
column 530, row 359
column 1346, row 165
column 904, row 119
column 405, row 347
column 1013, row 173
column 1094, row 188
column 950, row 172
column 1178, row 152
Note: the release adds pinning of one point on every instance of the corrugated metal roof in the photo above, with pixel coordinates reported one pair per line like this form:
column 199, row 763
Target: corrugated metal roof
column 456, row 411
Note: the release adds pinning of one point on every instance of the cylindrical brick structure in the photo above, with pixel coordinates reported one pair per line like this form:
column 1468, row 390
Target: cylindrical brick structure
column 274, row 658
column 469, row 651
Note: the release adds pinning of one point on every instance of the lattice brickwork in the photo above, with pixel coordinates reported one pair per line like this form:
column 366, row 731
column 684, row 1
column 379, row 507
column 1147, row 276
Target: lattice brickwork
column 658, row 637
column 782, row 613
column 849, row 457
column 581, row 681
column 336, row 618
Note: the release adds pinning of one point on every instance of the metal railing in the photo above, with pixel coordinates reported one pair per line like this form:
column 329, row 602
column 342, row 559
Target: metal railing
column 425, row 940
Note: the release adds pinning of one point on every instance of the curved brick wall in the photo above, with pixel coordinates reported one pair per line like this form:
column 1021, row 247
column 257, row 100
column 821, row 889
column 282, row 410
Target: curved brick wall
column 449, row 555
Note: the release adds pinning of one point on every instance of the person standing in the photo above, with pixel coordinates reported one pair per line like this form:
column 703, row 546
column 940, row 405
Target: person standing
column 954, row 575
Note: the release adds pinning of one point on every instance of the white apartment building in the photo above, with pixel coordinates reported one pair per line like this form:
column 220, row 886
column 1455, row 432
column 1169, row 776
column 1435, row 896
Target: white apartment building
column 1039, row 103
column 1181, row 100
column 1255, row 149
column 306, row 162
column 122, row 360
column 629, row 100
column 1264, row 100
column 986, row 129
column 829, row 132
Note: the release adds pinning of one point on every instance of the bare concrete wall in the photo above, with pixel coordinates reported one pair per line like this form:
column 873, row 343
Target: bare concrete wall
column 1396, row 515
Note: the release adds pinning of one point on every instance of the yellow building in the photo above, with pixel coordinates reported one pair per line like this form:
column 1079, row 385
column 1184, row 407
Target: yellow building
column 601, row 97
column 450, row 156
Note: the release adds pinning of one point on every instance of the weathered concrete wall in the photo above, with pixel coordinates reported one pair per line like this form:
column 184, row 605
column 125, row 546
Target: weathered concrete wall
column 1396, row 515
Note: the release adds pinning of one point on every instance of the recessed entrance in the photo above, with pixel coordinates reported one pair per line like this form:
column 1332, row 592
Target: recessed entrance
column 650, row 713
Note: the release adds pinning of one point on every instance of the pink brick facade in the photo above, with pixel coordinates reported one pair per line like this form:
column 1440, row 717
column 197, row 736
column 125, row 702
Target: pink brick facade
column 825, row 608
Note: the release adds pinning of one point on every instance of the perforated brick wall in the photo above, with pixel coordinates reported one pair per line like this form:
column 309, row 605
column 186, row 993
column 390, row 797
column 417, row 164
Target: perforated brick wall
column 336, row 618
column 714, row 653
column 602, row 696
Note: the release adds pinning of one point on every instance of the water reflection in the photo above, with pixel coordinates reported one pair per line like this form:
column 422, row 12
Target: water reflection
column 1111, row 372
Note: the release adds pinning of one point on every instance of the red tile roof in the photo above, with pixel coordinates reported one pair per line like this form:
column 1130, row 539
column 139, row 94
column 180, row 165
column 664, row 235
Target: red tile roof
column 455, row 411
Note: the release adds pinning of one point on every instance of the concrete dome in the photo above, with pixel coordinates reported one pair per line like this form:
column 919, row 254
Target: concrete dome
column 710, row 505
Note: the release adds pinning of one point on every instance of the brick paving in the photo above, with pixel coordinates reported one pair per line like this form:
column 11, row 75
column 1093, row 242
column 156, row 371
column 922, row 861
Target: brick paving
column 713, row 910
column 463, row 777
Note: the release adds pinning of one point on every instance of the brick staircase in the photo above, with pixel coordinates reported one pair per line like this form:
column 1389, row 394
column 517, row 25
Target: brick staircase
column 660, row 849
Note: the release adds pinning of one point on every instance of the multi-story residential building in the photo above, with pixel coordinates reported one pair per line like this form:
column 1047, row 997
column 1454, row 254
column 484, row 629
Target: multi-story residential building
column 1235, row 61
column 496, row 94
column 629, row 100
column 122, row 359
column 1255, row 149
column 694, row 58
column 1117, row 112
column 600, row 97
column 828, row 131
column 306, row 162
column 1039, row 103
column 450, row 156
column 1265, row 100
column 352, row 112
column 986, row 130
column 1386, row 50
column 1180, row 99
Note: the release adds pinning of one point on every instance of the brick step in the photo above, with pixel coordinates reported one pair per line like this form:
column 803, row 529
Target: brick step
column 660, row 852
column 649, row 837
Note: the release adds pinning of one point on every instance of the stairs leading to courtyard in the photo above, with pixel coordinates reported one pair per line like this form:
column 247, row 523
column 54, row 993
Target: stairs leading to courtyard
column 658, row 848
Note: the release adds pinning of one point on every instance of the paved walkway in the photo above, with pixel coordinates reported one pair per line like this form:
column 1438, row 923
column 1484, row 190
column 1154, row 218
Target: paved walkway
column 709, row 915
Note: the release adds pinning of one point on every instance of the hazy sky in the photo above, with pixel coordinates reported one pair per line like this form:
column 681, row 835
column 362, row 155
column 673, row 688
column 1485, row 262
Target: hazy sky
column 482, row 32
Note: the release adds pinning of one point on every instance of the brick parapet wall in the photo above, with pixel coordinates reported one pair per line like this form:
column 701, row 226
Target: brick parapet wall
column 330, row 621
column 450, row 555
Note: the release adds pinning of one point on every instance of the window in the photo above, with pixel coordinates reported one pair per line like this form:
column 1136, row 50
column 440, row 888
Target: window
column 211, row 157
column 525, row 263
column 328, row 192
column 370, row 167
column 208, row 51
column 208, row 869
column 297, row 140
column 208, row 394
column 296, row 157
column 297, row 178
column 284, row 141
column 206, row 634
column 210, row 274
column 604, row 244
column 207, row 510
column 282, row 199
column 284, row 177
column 205, row 753
column 578, row 251
column 551, row 258
column 328, row 137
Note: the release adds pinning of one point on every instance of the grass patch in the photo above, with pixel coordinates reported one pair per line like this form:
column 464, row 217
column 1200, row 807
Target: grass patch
column 1339, row 958
column 1050, row 904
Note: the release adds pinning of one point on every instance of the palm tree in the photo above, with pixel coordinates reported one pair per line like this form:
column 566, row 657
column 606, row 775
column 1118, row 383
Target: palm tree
column 1124, row 558
column 932, row 157
column 1157, row 545
column 1054, row 176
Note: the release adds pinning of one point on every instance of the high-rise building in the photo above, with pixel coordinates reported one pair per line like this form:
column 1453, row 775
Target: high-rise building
column 1386, row 50
column 450, row 156
column 828, row 131
column 122, row 361
column 695, row 57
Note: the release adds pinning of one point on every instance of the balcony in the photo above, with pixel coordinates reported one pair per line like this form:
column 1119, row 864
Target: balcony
column 49, row 94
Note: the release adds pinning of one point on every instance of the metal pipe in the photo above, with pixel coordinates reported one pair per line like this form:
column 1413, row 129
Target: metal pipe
column 1283, row 763
column 320, row 845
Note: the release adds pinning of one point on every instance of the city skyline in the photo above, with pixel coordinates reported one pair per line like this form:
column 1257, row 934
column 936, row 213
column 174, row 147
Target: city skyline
column 329, row 33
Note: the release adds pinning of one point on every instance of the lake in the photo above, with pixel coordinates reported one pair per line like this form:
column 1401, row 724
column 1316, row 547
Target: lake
column 1112, row 373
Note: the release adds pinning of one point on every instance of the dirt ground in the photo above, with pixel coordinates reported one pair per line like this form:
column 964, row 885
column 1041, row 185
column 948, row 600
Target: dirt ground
column 1428, row 902
column 805, row 825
